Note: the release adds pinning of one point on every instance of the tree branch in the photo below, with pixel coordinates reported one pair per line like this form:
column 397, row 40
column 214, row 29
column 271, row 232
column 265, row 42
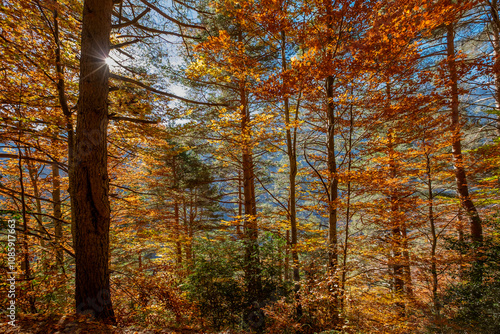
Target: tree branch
column 133, row 120
column 162, row 13
column 157, row 91
column 129, row 22
column 121, row 45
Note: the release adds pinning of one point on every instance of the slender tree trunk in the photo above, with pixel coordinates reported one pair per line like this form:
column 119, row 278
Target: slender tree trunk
column 456, row 145
column 332, row 200
column 348, row 210
column 434, row 239
column 177, row 225
column 287, row 257
column 332, row 179
column 61, row 91
column 26, row 257
column 90, row 175
column 402, row 268
column 187, row 221
column 240, row 205
column 177, row 228
column 252, row 260
column 189, row 247
column 332, row 173
column 407, row 262
column 33, row 174
column 250, row 224
column 292, row 175
column 332, row 192
column 397, row 235
column 56, row 198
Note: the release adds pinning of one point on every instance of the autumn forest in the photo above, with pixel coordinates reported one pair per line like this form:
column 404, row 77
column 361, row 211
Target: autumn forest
column 260, row 166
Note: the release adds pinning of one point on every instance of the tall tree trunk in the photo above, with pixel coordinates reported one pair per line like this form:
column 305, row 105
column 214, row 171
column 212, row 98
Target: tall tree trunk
column 434, row 239
column 90, row 176
column 348, row 210
column 395, row 224
column 402, row 268
column 61, row 92
column 332, row 168
column 291, row 144
column 332, row 199
column 252, row 261
column 456, row 145
column 397, row 236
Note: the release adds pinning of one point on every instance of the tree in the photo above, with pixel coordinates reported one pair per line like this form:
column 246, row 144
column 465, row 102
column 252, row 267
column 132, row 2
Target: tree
column 89, row 179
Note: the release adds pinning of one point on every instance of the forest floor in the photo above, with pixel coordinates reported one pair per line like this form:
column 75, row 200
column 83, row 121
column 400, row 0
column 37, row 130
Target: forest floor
column 72, row 324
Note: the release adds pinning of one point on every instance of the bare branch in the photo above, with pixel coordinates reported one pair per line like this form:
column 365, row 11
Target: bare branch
column 192, row 8
column 121, row 45
column 157, row 91
column 129, row 22
column 168, row 17
column 133, row 120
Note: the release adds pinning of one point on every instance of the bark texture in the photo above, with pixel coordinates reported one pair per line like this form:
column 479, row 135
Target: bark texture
column 90, row 175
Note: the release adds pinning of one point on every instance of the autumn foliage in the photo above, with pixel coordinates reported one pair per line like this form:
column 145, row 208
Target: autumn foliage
column 270, row 166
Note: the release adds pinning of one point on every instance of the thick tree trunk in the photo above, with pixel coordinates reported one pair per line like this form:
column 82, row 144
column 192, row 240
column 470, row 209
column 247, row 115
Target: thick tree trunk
column 90, row 176
column 456, row 145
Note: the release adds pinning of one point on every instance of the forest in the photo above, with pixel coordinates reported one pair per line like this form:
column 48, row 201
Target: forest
column 250, row 166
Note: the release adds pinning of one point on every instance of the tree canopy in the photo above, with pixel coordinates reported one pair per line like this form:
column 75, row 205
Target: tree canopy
column 269, row 166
